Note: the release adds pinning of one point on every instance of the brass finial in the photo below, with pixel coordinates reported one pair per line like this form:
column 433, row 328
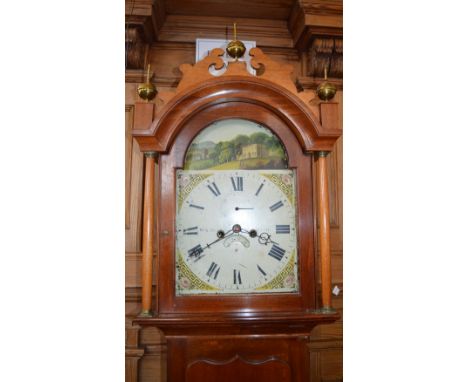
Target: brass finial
column 235, row 48
column 326, row 91
column 147, row 90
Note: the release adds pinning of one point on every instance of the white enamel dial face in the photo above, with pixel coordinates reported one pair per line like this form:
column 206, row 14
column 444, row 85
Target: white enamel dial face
column 236, row 232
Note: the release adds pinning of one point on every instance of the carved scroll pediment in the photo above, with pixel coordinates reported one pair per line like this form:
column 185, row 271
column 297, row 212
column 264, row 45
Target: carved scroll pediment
column 272, row 70
column 199, row 72
column 266, row 68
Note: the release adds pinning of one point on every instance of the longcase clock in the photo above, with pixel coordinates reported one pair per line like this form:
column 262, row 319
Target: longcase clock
column 236, row 264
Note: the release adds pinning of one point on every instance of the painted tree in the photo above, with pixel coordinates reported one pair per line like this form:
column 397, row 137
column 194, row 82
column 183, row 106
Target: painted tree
column 259, row 137
column 240, row 141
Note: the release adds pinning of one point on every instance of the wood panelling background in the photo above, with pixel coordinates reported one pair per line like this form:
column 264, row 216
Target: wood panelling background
column 133, row 187
column 271, row 9
column 170, row 41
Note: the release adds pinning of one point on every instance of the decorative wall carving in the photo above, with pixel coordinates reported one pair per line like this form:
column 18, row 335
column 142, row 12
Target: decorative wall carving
column 326, row 53
column 135, row 48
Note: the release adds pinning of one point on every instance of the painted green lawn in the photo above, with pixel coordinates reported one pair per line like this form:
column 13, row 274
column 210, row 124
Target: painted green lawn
column 200, row 164
column 246, row 163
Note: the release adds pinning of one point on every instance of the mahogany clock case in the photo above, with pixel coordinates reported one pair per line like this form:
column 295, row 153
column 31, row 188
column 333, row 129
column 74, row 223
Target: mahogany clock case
column 168, row 302
column 250, row 336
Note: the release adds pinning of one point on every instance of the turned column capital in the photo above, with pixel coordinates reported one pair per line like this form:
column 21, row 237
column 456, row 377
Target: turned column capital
column 322, row 154
column 150, row 154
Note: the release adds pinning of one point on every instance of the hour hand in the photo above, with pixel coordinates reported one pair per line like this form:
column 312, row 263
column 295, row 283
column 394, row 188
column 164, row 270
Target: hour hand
column 221, row 235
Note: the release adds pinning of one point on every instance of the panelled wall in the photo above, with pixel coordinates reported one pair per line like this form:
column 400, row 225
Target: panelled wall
column 305, row 34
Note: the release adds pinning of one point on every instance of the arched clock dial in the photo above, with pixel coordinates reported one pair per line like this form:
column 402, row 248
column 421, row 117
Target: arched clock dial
column 236, row 232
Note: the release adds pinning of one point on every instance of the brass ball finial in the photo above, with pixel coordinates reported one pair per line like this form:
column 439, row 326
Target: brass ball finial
column 326, row 91
column 147, row 90
column 235, row 48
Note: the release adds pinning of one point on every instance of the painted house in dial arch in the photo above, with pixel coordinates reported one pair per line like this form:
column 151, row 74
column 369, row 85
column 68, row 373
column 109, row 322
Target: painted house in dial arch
column 255, row 150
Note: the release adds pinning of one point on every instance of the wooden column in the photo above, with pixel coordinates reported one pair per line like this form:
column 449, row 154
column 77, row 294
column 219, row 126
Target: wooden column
column 148, row 229
column 324, row 221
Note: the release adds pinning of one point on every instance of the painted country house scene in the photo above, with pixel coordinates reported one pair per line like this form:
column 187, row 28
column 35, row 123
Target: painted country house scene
column 236, row 144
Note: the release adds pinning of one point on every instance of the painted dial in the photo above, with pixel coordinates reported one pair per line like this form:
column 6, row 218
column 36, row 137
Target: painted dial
column 236, row 232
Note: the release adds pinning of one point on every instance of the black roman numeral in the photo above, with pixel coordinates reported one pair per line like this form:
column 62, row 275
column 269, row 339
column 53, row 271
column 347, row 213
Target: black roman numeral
column 238, row 184
column 261, row 270
column 195, row 206
column 195, row 251
column 276, row 252
column 214, row 268
column 259, row 189
column 214, row 189
column 277, row 205
column 191, row 231
column 283, row 228
column 237, row 277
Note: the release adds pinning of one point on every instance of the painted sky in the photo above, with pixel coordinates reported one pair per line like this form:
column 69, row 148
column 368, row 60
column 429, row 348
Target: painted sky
column 229, row 129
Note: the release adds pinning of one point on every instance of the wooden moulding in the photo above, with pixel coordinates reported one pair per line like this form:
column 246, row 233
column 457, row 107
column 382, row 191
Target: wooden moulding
column 298, row 323
column 160, row 136
column 310, row 19
column 199, row 89
column 297, row 159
